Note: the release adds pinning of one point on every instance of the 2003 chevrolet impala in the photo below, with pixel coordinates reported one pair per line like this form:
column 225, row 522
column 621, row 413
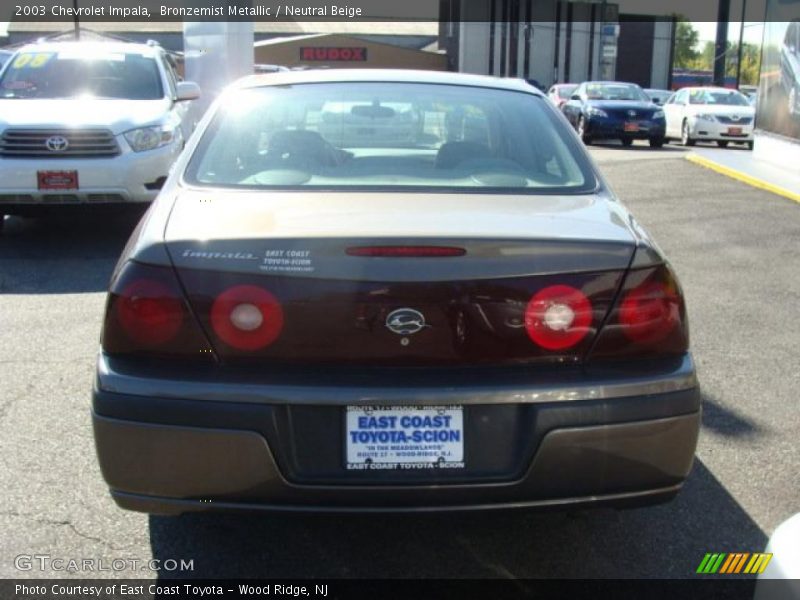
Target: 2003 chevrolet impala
column 391, row 290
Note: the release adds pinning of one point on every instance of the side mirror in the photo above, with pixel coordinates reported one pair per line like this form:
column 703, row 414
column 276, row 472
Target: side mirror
column 187, row 90
column 575, row 97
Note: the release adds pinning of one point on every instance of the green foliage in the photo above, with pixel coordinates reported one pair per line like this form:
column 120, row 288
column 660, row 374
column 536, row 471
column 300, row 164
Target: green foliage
column 751, row 61
column 686, row 38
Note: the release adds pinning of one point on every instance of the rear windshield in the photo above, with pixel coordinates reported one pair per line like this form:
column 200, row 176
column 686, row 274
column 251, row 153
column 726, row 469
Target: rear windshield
column 615, row 91
column 565, row 91
column 724, row 97
column 388, row 135
column 70, row 74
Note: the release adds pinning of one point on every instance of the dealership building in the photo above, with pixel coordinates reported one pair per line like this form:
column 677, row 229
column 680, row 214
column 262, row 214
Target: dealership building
column 555, row 41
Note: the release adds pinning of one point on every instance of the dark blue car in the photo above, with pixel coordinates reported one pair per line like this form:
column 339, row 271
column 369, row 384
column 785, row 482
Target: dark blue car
column 614, row 110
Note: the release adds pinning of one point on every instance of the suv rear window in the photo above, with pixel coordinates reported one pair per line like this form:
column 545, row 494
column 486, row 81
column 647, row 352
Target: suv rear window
column 71, row 73
column 388, row 135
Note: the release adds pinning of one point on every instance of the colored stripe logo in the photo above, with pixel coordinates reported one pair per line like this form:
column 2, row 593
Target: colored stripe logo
column 723, row 563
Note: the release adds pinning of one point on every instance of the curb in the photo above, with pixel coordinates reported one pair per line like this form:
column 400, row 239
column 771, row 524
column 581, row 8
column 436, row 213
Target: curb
column 743, row 177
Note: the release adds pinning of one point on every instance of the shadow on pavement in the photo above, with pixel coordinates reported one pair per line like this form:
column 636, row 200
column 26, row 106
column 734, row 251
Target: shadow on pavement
column 662, row 541
column 62, row 253
column 725, row 421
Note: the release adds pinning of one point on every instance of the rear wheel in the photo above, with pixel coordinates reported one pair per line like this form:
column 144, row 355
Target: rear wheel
column 626, row 141
column 722, row 143
column 657, row 142
column 587, row 139
column 686, row 139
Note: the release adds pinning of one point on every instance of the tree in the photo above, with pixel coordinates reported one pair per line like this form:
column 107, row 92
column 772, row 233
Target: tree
column 686, row 38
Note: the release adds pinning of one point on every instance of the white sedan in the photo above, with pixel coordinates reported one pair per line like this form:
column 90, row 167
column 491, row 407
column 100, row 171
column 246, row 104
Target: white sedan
column 709, row 114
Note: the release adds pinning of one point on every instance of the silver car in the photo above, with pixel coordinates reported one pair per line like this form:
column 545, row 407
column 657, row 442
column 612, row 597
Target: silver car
column 389, row 291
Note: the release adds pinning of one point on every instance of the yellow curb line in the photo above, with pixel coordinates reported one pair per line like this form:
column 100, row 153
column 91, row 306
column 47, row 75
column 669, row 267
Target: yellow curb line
column 744, row 178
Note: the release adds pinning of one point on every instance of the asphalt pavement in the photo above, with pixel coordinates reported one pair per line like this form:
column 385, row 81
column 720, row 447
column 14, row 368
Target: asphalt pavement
column 735, row 250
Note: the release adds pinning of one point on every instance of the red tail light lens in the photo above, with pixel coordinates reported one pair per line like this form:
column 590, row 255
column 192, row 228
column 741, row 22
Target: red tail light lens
column 558, row 317
column 405, row 251
column 146, row 315
column 247, row 317
column 649, row 318
column 149, row 312
column 649, row 312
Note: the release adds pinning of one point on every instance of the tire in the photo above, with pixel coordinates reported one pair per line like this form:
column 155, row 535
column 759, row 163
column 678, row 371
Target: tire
column 587, row 139
column 657, row 142
column 626, row 142
column 686, row 139
column 722, row 143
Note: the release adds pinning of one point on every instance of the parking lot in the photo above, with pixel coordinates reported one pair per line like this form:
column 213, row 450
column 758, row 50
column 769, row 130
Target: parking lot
column 735, row 249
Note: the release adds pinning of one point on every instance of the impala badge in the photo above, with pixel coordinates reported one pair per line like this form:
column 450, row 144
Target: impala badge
column 405, row 321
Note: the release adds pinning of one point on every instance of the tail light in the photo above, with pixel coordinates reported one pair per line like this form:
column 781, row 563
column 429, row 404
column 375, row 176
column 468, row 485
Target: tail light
column 648, row 319
column 247, row 317
column 405, row 251
column 147, row 315
column 558, row 317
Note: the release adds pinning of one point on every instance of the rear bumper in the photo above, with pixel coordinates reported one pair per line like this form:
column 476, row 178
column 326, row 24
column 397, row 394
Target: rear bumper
column 172, row 455
column 171, row 470
column 608, row 128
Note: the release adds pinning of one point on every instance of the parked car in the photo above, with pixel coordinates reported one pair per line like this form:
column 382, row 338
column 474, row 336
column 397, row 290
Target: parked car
column 779, row 569
column 469, row 319
column 713, row 114
column 615, row 110
column 658, row 96
column 560, row 93
column 790, row 67
column 88, row 123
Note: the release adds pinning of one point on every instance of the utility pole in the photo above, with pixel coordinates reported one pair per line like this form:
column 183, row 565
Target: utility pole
column 721, row 44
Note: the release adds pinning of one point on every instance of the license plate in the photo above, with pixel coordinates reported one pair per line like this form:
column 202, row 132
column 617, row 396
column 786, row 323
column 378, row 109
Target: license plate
column 57, row 180
column 404, row 437
column 631, row 127
column 734, row 131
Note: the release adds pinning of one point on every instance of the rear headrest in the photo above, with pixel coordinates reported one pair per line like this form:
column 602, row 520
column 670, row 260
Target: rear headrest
column 451, row 154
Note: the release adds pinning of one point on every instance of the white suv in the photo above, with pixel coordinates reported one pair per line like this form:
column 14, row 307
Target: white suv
column 88, row 123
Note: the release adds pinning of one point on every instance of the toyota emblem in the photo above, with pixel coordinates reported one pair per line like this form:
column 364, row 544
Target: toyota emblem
column 57, row 143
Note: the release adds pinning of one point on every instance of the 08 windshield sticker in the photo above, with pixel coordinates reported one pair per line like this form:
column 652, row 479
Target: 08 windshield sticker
column 32, row 60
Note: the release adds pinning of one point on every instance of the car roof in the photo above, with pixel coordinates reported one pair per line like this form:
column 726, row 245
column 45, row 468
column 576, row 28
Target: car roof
column 386, row 76
column 710, row 88
column 611, row 83
column 116, row 47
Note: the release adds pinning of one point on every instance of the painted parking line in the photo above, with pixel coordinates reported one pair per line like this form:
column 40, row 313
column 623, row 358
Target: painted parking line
column 743, row 177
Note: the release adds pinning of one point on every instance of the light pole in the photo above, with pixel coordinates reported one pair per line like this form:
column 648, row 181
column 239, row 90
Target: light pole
column 77, row 21
column 741, row 48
